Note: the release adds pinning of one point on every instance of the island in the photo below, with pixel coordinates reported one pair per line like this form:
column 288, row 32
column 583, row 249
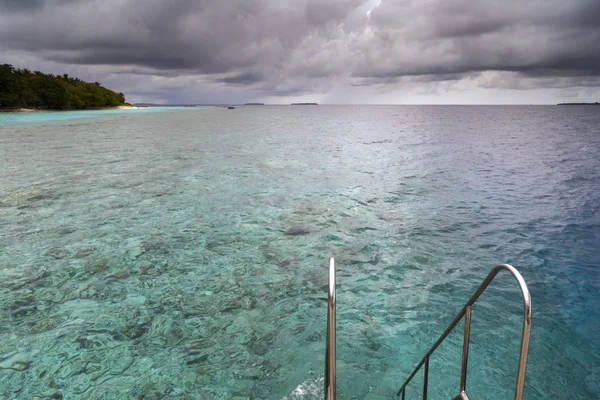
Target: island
column 254, row 104
column 21, row 89
column 305, row 104
column 579, row 104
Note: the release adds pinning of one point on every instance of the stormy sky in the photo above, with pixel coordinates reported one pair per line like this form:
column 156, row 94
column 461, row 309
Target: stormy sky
column 329, row 51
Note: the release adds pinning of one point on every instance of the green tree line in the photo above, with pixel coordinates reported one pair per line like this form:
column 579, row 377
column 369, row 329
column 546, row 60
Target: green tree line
column 23, row 88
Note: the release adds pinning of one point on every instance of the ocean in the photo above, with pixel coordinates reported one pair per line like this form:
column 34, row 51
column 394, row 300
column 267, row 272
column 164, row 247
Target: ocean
column 143, row 254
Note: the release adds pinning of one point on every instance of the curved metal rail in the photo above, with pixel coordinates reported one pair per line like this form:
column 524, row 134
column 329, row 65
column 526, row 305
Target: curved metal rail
column 330, row 346
column 466, row 312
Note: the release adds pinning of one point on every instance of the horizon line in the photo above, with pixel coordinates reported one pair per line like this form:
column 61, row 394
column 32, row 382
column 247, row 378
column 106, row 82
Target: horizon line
column 357, row 104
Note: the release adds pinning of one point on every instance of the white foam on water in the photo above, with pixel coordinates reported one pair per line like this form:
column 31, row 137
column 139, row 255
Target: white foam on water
column 309, row 389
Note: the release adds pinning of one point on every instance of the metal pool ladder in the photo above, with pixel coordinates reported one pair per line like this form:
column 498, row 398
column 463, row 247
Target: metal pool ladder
column 465, row 312
column 330, row 344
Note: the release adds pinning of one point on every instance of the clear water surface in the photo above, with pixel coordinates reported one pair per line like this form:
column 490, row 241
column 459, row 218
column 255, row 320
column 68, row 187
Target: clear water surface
column 143, row 255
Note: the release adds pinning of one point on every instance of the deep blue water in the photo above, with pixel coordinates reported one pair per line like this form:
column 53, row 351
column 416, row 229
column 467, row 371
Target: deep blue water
column 143, row 255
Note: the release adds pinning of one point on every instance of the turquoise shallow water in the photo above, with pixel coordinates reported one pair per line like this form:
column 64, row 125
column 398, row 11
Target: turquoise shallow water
column 46, row 117
column 143, row 255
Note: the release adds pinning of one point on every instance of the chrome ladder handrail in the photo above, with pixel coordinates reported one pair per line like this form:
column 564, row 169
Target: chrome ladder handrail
column 330, row 345
column 466, row 312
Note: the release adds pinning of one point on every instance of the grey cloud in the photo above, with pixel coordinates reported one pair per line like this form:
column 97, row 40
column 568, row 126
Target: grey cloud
column 20, row 5
column 15, row 6
column 245, row 78
column 211, row 37
column 458, row 36
column 516, row 81
column 295, row 47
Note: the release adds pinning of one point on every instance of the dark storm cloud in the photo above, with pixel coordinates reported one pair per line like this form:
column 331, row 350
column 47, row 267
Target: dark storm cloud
column 245, row 78
column 298, row 46
column 30, row 5
column 209, row 36
column 20, row 5
column 459, row 37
